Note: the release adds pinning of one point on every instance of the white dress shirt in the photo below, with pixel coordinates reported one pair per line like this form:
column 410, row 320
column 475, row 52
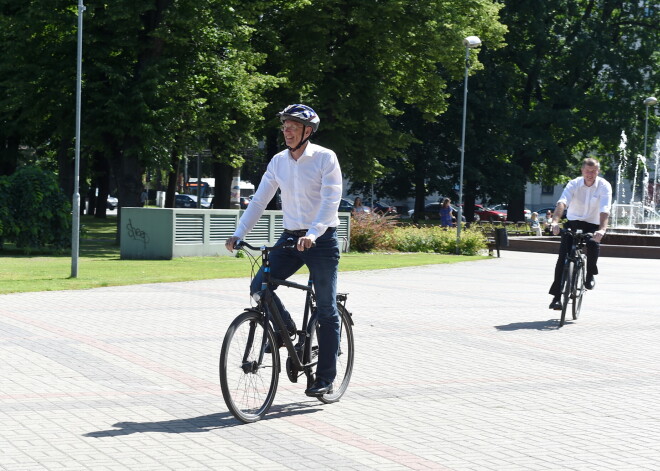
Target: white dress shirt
column 585, row 203
column 311, row 189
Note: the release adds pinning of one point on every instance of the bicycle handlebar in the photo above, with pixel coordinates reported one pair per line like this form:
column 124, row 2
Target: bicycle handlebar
column 288, row 244
column 582, row 235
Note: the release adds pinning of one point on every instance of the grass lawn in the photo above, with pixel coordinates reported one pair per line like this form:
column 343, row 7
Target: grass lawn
column 99, row 264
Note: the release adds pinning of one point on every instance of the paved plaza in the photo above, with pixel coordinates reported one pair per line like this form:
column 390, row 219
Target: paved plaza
column 458, row 367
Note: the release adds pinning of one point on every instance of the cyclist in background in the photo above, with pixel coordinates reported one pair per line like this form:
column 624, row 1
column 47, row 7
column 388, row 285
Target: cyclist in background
column 310, row 181
column 588, row 199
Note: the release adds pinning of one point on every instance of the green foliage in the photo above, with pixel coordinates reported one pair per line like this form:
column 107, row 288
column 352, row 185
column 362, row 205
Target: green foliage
column 437, row 240
column 573, row 76
column 359, row 64
column 34, row 213
column 371, row 231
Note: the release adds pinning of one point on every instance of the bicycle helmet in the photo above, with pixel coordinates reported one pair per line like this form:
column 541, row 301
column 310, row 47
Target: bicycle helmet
column 302, row 114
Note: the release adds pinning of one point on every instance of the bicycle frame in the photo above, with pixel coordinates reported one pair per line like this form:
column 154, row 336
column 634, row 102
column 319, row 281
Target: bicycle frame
column 574, row 265
column 579, row 241
column 249, row 393
column 271, row 311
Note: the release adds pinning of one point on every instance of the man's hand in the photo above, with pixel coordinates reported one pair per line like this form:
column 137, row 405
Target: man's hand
column 598, row 235
column 305, row 243
column 230, row 242
column 555, row 227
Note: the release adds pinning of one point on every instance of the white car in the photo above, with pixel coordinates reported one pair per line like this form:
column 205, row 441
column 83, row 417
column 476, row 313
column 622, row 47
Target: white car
column 206, row 202
column 112, row 203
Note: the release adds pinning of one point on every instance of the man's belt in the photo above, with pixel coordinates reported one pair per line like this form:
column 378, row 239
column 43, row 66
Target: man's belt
column 297, row 233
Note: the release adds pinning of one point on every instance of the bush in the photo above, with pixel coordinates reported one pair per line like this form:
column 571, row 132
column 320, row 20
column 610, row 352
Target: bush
column 34, row 212
column 371, row 231
column 434, row 239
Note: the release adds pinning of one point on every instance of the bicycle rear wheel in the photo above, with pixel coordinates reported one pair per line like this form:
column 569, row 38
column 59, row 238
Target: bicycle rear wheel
column 247, row 375
column 566, row 287
column 345, row 355
column 578, row 288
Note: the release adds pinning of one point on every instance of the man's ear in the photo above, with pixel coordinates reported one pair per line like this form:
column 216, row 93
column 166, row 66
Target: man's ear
column 308, row 131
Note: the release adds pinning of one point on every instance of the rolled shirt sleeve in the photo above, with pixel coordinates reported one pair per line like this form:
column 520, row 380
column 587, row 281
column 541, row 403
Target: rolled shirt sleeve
column 265, row 192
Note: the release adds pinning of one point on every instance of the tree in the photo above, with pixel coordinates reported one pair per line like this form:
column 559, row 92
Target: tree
column 37, row 81
column 571, row 78
column 360, row 64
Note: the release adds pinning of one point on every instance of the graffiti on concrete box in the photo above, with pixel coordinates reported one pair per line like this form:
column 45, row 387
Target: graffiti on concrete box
column 136, row 233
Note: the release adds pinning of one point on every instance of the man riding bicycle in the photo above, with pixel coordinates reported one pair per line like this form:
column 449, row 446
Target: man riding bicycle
column 310, row 181
column 588, row 199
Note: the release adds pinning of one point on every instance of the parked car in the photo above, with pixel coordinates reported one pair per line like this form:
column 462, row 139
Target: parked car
column 384, row 209
column 432, row 211
column 112, row 203
column 245, row 201
column 206, row 202
column 543, row 211
column 345, row 205
column 184, row 201
column 503, row 208
column 486, row 214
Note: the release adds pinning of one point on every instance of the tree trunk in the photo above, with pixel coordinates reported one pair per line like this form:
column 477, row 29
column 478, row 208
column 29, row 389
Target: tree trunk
column 102, row 180
column 468, row 205
column 9, row 154
column 420, row 195
column 516, row 203
column 172, row 176
column 128, row 172
column 65, row 168
column 223, row 176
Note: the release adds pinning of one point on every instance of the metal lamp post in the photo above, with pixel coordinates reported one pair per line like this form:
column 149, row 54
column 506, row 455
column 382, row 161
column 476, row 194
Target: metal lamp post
column 75, row 223
column 650, row 101
column 470, row 42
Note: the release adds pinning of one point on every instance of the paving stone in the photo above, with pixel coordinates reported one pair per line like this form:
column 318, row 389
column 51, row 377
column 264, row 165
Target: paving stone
column 457, row 367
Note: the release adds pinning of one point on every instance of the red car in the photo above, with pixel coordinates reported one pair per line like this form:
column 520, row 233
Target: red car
column 485, row 214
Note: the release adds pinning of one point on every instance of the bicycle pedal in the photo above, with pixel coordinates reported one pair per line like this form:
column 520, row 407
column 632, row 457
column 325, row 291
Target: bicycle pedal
column 291, row 371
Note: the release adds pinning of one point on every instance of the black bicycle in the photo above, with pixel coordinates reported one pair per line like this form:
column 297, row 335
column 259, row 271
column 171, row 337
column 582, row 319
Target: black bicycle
column 574, row 274
column 250, row 366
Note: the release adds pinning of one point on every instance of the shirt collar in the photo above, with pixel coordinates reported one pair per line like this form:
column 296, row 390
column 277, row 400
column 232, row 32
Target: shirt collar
column 594, row 186
column 306, row 153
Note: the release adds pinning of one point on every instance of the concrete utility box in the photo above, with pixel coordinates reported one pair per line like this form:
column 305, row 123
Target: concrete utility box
column 165, row 233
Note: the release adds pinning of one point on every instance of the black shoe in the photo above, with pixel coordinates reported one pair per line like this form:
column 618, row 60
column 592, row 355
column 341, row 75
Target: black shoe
column 555, row 304
column 590, row 282
column 319, row 388
column 278, row 338
column 278, row 341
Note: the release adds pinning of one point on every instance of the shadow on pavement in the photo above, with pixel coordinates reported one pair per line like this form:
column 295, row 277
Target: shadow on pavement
column 550, row 324
column 204, row 423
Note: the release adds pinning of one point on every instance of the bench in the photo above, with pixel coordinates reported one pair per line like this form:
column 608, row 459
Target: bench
column 496, row 237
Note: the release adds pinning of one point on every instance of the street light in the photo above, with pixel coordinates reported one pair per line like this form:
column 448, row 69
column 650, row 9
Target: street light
column 75, row 223
column 470, row 43
column 650, row 101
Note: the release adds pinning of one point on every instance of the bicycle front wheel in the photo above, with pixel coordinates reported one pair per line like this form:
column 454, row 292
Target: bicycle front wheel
column 566, row 288
column 248, row 375
column 578, row 288
column 344, row 355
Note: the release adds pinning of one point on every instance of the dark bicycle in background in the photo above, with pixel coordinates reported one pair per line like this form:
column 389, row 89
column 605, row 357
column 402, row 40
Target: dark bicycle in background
column 574, row 275
column 250, row 366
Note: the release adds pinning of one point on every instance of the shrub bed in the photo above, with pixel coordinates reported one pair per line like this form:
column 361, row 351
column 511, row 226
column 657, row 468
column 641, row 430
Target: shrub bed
column 370, row 232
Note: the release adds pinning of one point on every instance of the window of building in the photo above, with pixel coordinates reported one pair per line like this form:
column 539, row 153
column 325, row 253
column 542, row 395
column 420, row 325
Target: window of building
column 547, row 189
